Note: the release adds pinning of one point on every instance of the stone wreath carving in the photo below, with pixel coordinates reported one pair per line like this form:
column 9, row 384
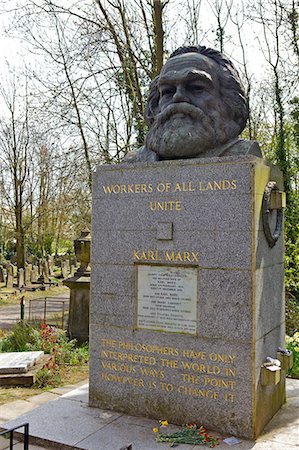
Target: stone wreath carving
column 271, row 236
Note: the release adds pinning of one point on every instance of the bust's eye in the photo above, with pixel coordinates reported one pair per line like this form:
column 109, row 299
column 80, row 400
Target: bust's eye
column 195, row 88
column 168, row 90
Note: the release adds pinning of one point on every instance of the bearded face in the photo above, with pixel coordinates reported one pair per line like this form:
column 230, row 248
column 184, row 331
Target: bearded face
column 181, row 130
column 191, row 118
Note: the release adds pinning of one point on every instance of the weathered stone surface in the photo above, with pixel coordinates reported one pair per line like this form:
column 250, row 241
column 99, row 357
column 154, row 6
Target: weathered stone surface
column 1, row 275
column 18, row 362
column 9, row 276
column 215, row 229
column 21, row 278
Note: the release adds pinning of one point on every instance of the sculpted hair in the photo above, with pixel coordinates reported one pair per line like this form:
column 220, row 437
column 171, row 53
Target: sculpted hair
column 231, row 88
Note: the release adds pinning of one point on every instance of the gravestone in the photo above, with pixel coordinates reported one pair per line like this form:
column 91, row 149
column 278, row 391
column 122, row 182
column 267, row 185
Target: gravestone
column 28, row 271
column 18, row 362
column 45, row 270
column 79, row 285
column 1, row 275
column 187, row 295
column 21, row 278
column 51, row 265
column 34, row 274
column 9, row 276
column 187, row 286
column 65, row 269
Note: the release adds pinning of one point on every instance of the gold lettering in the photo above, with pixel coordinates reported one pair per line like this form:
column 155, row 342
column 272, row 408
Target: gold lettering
column 165, row 206
column 187, row 378
column 172, row 363
column 216, row 382
column 229, row 397
column 139, row 382
column 187, row 256
column 230, row 372
column 193, row 392
column 178, row 257
column 221, row 357
column 136, row 255
column 108, row 343
column 118, row 367
column 194, row 355
column 216, row 185
column 177, row 187
column 154, row 373
column 200, row 367
column 225, row 184
column 116, row 189
column 201, row 188
column 169, row 257
column 168, row 387
column 194, row 255
column 161, row 187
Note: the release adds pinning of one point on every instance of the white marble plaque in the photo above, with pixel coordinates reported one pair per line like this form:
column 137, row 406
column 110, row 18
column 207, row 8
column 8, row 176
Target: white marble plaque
column 167, row 298
column 18, row 362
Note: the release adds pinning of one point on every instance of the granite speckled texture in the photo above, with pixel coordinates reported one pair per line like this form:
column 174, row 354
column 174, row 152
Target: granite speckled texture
column 204, row 214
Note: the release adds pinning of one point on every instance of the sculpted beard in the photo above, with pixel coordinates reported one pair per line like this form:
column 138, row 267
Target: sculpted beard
column 181, row 130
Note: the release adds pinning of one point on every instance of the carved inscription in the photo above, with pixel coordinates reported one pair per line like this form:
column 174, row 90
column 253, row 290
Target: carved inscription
column 166, row 256
column 171, row 204
column 167, row 298
column 188, row 372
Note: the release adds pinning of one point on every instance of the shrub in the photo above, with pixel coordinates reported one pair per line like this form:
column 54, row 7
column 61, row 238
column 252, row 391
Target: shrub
column 22, row 337
column 292, row 343
column 292, row 315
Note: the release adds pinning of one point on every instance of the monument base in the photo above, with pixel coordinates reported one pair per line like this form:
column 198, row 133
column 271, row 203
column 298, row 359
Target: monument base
column 78, row 322
column 187, row 296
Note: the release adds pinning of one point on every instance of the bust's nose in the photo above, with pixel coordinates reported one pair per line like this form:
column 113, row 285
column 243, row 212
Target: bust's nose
column 180, row 94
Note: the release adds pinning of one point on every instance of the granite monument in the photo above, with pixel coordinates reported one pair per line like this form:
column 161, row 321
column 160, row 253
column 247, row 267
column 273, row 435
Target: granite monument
column 187, row 290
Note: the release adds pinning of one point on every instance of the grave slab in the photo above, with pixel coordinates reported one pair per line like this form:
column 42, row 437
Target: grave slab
column 18, row 362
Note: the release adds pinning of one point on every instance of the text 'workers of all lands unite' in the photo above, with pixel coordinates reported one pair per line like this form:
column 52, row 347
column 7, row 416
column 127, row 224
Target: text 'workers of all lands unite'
column 170, row 188
column 200, row 374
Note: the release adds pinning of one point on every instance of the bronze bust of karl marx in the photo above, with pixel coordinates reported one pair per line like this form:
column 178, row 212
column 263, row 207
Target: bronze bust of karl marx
column 196, row 108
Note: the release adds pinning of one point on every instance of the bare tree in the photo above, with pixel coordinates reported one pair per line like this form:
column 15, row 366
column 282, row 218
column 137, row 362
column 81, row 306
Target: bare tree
column 15, row 160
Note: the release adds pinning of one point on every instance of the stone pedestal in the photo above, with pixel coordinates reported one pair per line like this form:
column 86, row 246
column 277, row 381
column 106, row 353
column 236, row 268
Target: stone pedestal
column 78, row 323
column 187, row 296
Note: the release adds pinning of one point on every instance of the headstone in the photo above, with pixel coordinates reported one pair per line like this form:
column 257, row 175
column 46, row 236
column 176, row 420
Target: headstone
column 57, row 261
column 187, row 288
column 40, row 267
column 45, row 272
column 9, row 276
column 51, row 265
column 65, row 269
column 186, row 314
column 34, row 274
column 79, row 285
column 1, row 275
column 28, row 270
column 18, row 362
column 21, row 278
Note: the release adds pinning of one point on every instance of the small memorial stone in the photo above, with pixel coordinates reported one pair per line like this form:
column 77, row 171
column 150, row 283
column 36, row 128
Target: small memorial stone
column 18, row 362
column 9, row 276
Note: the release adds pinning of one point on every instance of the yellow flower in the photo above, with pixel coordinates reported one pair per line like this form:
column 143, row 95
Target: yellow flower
column 155, row 430
column 164, row 423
